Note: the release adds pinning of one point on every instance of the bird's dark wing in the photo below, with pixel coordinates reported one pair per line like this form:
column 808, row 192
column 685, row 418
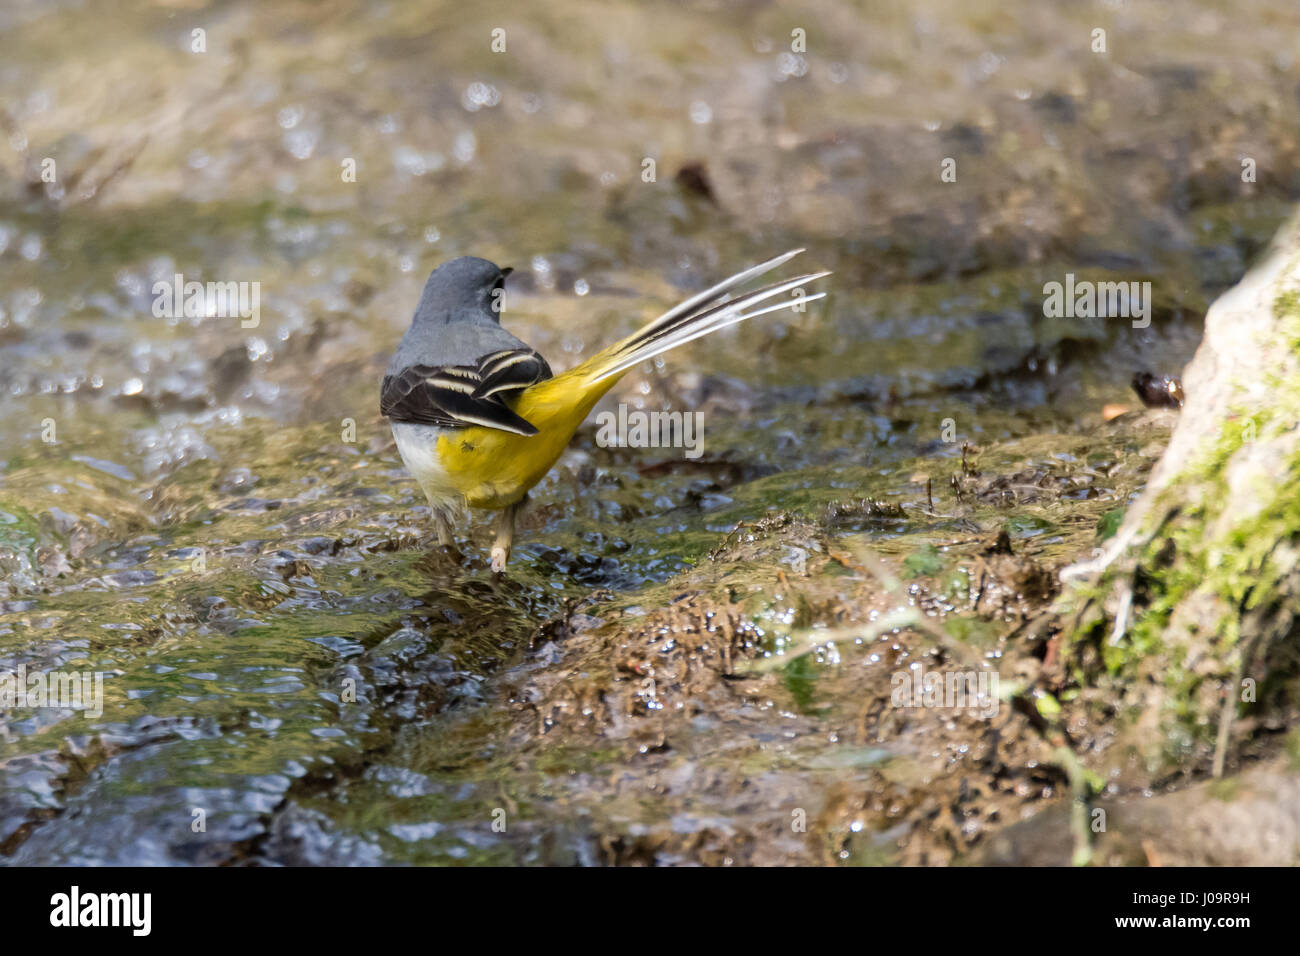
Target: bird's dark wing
column 510, row 370
column 458, row 396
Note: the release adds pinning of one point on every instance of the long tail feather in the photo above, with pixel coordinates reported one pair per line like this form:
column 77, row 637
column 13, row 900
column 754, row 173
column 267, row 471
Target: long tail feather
column 718, row 291
column 700, row 315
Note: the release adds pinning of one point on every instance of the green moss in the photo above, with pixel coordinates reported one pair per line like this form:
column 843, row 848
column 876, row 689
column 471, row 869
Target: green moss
column 800, row 678
column 1292, row 745
column 1286, row 306
column 1225, row 789
column 924, row 561
column 973, row 631
column 1110, row 523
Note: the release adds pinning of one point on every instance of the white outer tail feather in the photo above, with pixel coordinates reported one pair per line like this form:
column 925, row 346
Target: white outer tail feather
column 716, row 317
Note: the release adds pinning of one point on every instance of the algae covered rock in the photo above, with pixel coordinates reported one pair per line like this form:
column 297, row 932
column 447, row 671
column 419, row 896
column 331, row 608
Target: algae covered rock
column 1187, row 617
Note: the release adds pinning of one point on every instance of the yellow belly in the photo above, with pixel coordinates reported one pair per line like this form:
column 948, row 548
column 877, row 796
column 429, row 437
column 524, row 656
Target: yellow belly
column 494, row 469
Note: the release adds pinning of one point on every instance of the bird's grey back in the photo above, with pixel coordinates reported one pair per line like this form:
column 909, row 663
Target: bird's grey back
column 462, row 341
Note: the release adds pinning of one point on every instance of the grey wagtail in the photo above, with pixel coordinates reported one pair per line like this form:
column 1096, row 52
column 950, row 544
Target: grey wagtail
column 479, row 418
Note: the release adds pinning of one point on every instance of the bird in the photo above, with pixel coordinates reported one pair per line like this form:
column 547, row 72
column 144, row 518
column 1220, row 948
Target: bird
column 478, row 416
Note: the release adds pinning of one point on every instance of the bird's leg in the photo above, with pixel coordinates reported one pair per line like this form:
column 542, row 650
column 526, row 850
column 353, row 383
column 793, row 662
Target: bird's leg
column 504, row 526
column 443, row 525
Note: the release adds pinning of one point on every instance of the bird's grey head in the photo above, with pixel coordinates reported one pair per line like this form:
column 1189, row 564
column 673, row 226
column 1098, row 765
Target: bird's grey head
column 462, row 289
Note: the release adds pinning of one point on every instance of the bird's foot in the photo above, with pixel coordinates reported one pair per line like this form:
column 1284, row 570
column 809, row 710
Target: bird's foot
column 505, row 536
